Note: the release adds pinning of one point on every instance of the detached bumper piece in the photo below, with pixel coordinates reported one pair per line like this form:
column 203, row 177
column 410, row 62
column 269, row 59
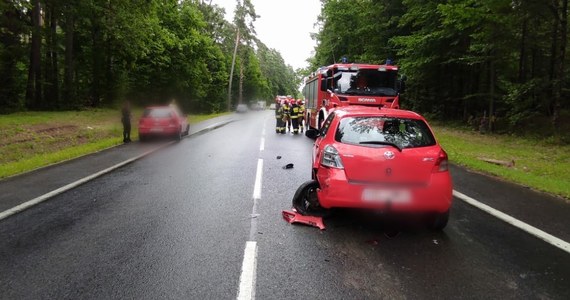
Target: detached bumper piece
column 292, row 216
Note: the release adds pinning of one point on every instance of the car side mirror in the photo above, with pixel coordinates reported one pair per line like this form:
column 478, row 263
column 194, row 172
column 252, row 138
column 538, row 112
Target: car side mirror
column 312, row 134
column 402, row 84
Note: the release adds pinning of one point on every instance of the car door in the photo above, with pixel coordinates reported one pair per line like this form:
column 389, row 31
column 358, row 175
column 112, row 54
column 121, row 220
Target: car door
column 322, row 137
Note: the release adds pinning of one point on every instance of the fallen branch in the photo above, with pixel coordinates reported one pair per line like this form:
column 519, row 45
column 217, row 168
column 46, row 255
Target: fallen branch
column 508, row 164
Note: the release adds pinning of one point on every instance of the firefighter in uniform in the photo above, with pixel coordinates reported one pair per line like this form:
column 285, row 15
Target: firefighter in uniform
column 294, row 113
column 279, row 118
column 301, row 115
column 286, row 116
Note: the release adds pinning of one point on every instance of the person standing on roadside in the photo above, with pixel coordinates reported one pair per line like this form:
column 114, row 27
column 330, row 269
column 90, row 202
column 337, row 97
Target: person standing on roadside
column 126, row 120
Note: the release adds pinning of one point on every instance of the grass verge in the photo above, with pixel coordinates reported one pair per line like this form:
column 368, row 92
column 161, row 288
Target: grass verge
column 193, row 119
column 31, row 140
column 538, row 164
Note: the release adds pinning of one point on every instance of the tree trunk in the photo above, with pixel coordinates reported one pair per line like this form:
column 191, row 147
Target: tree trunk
column 522, row 54
column 229, row 107
column 97, row 65
column 34, row 87
column 241, row 77
column 562, row 16
column 51, row 89
column 68, row 92
column 491, row 92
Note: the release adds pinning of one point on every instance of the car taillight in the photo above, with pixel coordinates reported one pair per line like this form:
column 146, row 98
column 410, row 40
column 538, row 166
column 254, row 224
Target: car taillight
column 441, row 164
column 331, row 158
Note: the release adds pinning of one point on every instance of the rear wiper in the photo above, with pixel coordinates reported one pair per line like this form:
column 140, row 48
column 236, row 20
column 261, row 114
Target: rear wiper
column 381, row 143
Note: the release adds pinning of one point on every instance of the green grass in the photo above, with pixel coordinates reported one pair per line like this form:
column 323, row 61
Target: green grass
column 30, row 140
column 193, row 119
column 538, row 164
column 44, row 159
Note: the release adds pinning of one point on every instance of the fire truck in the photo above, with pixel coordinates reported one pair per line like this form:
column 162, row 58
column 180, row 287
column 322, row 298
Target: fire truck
column 349, row 84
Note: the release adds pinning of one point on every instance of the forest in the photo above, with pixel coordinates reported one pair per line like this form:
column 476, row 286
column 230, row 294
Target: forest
column 463, row 60
column 76, row 54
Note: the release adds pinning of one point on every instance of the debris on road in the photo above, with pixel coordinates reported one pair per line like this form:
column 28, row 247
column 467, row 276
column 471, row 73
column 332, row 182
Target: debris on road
column 390, row 234
column 292, row 216
column 508, row 164
column 278, row 156
column 288, row 166
column 436, row 242
column 372, row 242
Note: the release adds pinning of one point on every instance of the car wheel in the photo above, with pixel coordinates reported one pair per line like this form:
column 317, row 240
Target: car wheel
column 305, row 200
column 179, row 135
column 142, row 138
column 187, row 132
column 438, row 221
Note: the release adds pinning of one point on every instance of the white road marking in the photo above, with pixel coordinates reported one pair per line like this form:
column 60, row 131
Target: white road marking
column 44, row 197
column 262, row 145
column 258, row 175
column 248, row 268
column 559, row 243
column 247, row 277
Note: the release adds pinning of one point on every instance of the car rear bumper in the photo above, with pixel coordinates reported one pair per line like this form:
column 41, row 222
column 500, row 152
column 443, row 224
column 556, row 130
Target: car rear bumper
column 337, row 192
column 158, row 131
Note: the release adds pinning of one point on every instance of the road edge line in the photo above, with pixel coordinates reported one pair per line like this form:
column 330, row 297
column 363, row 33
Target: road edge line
column 23, row 206
column 557, row 242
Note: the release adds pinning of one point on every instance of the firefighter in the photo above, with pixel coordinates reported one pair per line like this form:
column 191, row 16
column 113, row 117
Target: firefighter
column 301, row 115
column 279, row 115
column 294, row 113
column 286, row 116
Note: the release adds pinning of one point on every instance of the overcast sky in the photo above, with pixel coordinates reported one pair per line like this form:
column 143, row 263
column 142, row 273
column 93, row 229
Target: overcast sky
column 284, row 25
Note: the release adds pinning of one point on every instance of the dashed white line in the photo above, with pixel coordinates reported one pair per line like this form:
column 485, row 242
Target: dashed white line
column 262, row 144
column 559, row 243
column 258, row 174
column 247, row 277
column 248, row 267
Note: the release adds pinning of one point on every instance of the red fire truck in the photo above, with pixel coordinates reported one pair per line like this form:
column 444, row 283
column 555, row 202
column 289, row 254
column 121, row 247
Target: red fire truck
column 349, row 84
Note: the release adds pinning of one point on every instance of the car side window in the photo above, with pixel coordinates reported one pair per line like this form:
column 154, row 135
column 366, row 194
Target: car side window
column 326, row 125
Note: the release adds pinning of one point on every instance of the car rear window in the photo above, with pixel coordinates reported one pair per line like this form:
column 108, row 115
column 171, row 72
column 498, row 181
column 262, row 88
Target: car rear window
column 365, row 131
column 157, row 112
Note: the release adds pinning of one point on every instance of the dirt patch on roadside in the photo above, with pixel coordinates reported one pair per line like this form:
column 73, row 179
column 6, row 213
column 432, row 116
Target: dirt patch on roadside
column 37, row 132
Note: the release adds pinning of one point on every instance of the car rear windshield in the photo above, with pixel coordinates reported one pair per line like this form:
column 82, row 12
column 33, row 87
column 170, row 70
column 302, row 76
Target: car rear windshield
column 157, row 112
column 381, row 131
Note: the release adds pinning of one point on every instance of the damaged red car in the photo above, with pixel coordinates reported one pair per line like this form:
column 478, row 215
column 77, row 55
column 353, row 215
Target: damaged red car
column 378, row 159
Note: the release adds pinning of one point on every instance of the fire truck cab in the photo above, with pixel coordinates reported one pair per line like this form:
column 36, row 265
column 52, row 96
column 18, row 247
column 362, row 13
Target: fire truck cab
column 350, row 84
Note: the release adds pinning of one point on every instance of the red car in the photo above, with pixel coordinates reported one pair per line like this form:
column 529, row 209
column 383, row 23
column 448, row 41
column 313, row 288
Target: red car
column 379, row 159
column 164, row 121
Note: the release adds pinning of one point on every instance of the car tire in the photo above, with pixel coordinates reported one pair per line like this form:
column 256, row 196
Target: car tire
column 305, row 200
column 438, row 221
column 142, row 138
column 187, row 132
column 179, row 135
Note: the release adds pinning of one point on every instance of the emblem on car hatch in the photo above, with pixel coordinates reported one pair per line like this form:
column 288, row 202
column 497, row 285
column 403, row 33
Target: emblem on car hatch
column 389, row 155
column 388, row 171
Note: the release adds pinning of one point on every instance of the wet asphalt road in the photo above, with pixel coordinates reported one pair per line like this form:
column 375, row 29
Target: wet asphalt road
column 174, row 225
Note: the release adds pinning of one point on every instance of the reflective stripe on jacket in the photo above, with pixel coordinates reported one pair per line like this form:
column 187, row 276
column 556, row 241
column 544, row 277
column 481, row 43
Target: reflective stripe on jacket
column 294, row 112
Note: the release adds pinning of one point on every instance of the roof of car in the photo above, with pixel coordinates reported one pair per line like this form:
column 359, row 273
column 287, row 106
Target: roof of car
column 370, row 110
